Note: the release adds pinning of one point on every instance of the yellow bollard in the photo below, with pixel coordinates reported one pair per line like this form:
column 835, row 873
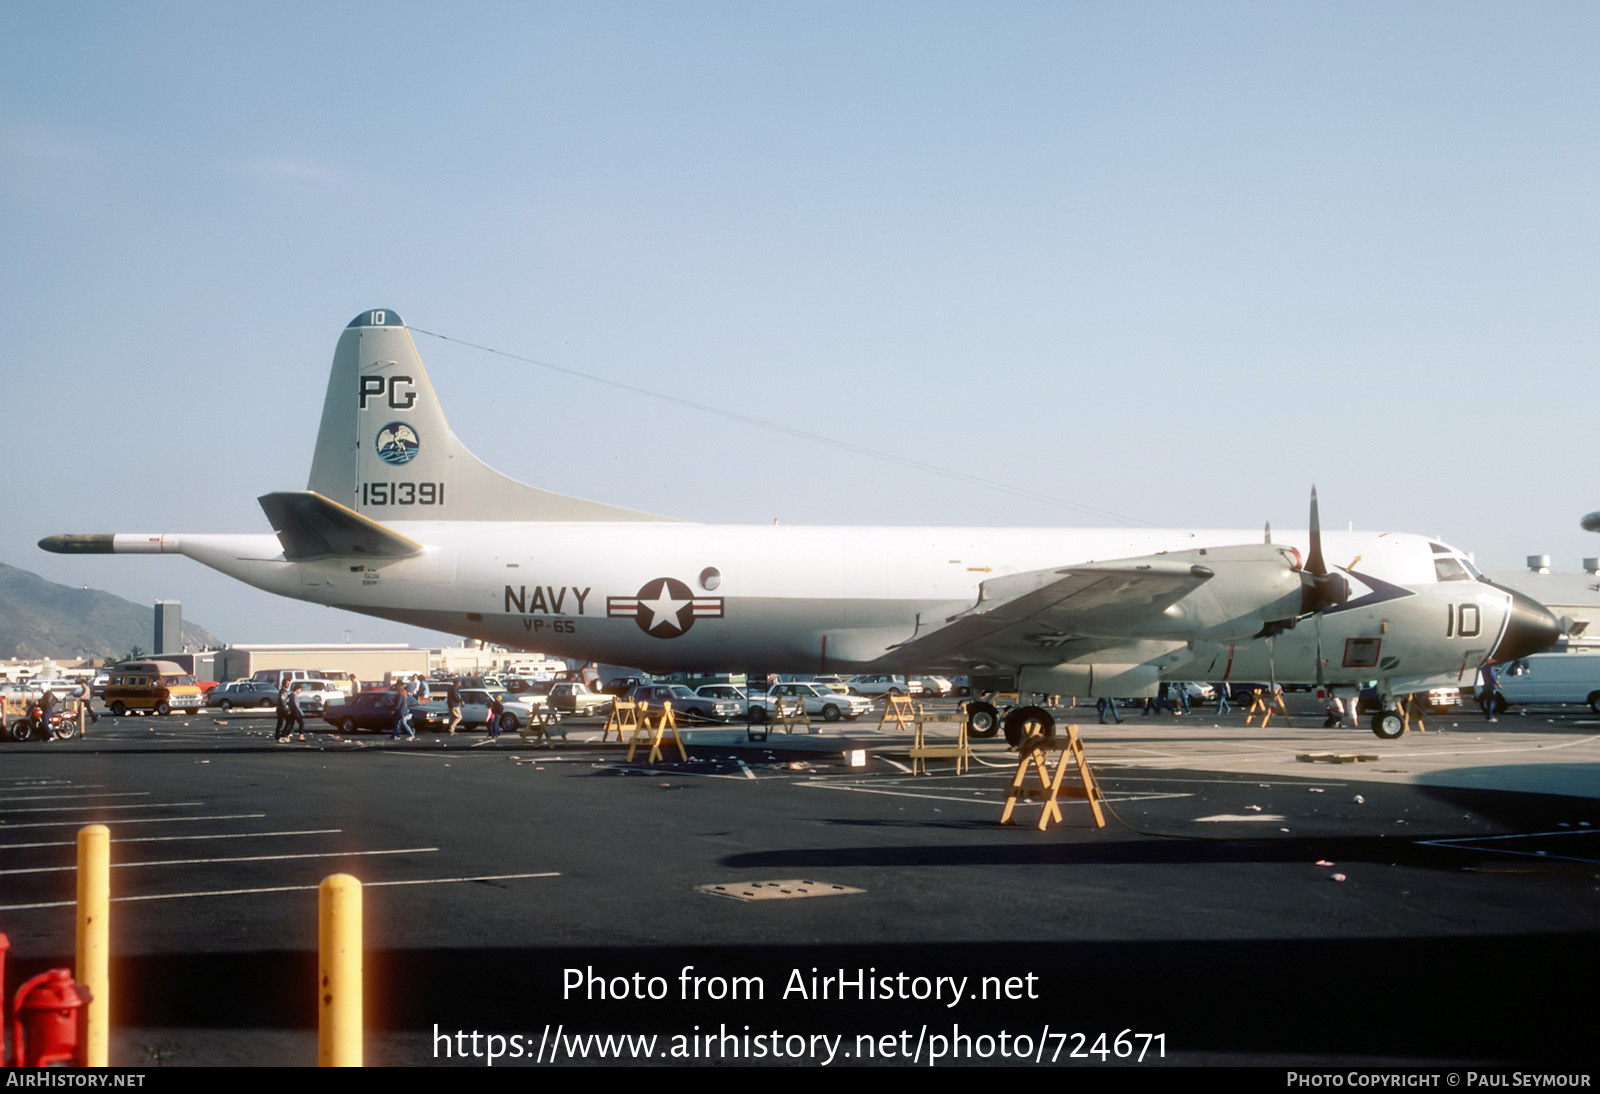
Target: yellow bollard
column 339, row 972
column 94, row 938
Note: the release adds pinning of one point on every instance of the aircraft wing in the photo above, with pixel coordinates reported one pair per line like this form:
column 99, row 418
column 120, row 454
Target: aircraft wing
column 1217, row 592
column 310, row 526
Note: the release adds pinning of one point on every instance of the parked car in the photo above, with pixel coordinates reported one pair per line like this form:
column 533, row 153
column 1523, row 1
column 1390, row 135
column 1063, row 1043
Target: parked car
column 1438, row 700
column 818, row 700
column 686, row 702
column 160, row 687
column 621, row 685
column 315, row 695
column 877, row 683
column 1549, row 678
column 573, row 697
column 374, row 712
column 243, row 693
column 727, row 693
column 516, row 710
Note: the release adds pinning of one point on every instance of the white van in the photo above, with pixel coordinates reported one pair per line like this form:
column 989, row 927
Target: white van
column 1552, row 678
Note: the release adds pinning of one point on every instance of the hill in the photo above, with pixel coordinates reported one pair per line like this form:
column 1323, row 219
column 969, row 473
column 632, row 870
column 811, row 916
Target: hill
column 39, row 618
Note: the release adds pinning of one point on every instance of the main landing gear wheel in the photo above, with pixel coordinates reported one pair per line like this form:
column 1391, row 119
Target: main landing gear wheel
column 982, row 720
column 1017, row 720
column 1388, row 724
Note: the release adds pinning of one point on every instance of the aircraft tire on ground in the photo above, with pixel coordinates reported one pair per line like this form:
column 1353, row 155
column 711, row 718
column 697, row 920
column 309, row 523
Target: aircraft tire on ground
column 1016, row 720
column 982, row 720
column 830, row 713
column 1388, row 724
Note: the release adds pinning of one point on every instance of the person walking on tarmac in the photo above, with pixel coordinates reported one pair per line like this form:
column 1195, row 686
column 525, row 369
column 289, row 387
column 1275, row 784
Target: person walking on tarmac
column 297, row 718
column 1490, row 698
column 497, row 710
column 278, row 733
column 402, row 714
column 1108, row 706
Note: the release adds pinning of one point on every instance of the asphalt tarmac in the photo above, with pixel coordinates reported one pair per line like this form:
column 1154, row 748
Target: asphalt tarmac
column 1429, row 900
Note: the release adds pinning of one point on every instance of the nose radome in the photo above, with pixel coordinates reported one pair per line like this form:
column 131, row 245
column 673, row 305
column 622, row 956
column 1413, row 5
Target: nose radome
column 1530, row 629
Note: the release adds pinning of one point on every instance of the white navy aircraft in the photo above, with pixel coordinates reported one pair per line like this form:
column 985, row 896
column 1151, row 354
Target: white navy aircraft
column 400, row 521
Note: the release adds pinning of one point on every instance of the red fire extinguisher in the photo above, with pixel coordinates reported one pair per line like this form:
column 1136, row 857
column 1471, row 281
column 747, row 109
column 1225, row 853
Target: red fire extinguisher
column 47, row 1019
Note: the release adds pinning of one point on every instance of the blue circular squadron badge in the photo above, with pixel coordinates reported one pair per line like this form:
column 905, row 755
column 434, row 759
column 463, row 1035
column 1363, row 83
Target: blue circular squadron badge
column 397, row 443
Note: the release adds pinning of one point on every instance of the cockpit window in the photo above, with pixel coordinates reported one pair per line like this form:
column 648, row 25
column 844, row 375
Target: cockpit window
column 1450, row 569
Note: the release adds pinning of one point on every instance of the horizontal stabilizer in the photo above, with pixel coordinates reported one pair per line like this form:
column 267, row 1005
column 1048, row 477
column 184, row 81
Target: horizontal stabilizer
column 310, row 526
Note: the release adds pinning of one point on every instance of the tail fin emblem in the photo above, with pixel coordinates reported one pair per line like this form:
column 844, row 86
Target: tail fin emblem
column 397, row 443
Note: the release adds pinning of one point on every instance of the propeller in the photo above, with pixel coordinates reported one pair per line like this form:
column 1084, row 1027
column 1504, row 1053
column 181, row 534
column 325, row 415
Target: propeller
column 1320, row 589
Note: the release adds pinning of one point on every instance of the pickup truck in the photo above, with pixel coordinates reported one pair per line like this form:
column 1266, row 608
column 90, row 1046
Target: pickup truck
column 572, row 697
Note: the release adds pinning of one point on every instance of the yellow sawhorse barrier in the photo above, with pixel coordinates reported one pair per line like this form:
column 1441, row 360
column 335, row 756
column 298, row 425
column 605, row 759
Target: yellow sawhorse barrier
column 1260, row 704
column 1070, row 752
column 900, row 711
column 545, row 725
column 667, row 721
column 790, row 714
column 624, row 718
column 922, row 751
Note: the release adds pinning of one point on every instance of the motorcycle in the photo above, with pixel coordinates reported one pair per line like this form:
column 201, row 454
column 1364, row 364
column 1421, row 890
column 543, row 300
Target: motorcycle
column 42, row 725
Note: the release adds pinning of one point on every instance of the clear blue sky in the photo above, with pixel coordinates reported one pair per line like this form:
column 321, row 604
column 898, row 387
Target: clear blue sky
column 1174, row 261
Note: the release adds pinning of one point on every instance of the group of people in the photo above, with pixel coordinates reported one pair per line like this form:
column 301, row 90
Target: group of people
column 416, row 689
column 290, row 716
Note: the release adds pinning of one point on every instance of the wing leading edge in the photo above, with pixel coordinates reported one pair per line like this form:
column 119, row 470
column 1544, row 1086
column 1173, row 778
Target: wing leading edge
column 1214, row 593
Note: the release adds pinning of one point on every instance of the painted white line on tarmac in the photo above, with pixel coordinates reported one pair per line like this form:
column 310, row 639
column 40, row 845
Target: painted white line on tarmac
column 217, row 861
column 69, row 808
column 138, row 820
column 176, row 839
column 1477, row 843
column 65, row 797
column 278, row 889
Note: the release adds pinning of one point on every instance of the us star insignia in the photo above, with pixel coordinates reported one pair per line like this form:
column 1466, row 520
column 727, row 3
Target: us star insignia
column 664, row 607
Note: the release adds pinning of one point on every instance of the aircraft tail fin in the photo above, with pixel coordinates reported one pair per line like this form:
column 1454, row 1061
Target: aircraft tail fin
column 385, row 451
